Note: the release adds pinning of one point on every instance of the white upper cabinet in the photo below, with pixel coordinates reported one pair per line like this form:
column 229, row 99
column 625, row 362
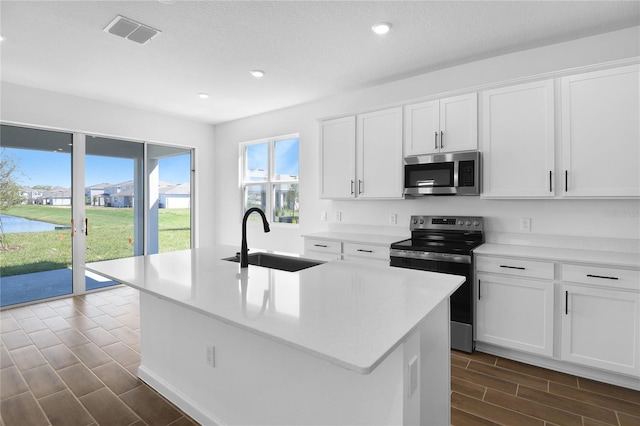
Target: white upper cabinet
column 601, row 115
column 361, row 156
column 445, row 125
column 518, row 140
column 337, row 157
column 379, row 154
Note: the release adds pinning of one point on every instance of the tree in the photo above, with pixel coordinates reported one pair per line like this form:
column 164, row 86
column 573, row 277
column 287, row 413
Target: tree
column 9, row 188
column 292, row 198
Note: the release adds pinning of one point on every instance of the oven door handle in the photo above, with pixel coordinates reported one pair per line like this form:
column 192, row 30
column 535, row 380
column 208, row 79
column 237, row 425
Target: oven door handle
column 427, row 255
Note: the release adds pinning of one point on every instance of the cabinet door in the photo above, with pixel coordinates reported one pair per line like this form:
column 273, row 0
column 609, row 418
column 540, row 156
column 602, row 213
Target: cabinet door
column 337, row 158
column 600, row 133
column 459, row 123
column 518, row 141
column 422, row 128
column 515, row 313
column 601, row 328
column 379, row 153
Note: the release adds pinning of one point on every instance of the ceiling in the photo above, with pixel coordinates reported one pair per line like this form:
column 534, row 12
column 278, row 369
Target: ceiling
column 308, row 49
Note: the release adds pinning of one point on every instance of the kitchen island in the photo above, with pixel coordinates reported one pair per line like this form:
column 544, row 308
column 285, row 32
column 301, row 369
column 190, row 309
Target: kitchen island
column 338, row 343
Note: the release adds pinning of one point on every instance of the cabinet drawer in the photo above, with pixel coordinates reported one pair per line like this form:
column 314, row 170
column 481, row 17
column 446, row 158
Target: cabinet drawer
column 609, row 277
column 366, row 250
column 324, row 246
column 518, row 267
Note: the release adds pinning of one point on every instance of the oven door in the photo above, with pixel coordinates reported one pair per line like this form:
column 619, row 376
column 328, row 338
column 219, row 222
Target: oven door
column 461, row 299
column 460, row 302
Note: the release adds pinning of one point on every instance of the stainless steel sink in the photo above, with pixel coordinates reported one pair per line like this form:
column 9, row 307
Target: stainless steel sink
column 276, row 261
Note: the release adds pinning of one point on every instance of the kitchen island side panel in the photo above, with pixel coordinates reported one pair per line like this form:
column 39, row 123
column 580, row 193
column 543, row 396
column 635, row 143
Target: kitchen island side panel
column 259, row 381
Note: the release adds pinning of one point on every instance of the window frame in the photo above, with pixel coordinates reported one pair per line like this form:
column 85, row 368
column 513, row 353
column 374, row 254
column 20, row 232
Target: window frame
column 270, row 182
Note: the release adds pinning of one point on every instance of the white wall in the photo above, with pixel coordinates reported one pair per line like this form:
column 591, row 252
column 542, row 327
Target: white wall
column 589, row 218
column 40, row 108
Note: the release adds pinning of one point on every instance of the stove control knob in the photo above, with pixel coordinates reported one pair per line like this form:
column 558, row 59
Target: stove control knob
column 415, row 221
column 460, row 223
column 476, row 223
column 468, row 223
column 421, row 221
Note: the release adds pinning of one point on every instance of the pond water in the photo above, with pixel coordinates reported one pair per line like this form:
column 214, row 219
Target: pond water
column 13, row 224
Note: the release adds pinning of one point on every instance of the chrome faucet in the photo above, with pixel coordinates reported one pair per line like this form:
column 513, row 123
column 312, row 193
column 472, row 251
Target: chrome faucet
column 244, row 251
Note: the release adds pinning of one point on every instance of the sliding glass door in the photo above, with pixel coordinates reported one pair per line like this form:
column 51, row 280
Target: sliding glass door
column 169, row 172
column 114, row 202
column 36, row 207
column 67, row 199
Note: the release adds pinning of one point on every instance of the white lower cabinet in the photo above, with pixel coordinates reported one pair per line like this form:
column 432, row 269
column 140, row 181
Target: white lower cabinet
column 590, row 312
column 515, row 312
column 330, row 249
column 365, row 253
column 322, row 249
column 601, row 327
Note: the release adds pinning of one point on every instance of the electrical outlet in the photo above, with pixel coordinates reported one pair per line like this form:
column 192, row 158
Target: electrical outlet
column 393, row 219
column 413, row 375
column 525, row 224
column 211, row 355
column 338, row 216
column 323, row 216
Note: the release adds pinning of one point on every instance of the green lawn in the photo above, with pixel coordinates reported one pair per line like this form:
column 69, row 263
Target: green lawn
column 110, row 237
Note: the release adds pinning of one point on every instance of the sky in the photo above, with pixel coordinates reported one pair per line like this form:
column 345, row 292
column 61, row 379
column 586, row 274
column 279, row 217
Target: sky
column 54, row 169
column 285, row 157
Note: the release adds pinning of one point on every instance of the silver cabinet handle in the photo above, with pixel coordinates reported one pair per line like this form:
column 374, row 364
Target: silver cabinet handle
column 435, row 140
column 320, row 245
column 351, row 186
column 359, row 186
column 550, row 180
column 566, row 181
column 441, row 139
column 365, row 251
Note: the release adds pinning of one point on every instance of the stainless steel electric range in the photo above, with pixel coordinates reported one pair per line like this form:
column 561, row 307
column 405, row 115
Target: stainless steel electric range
column 445, row 244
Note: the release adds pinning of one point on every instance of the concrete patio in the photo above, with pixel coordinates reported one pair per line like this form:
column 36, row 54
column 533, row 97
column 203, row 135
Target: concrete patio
column 24, row 288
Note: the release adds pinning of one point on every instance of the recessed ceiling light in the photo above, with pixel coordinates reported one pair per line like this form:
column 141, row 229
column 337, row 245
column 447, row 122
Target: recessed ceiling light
column 203, row 96
column 381, row 28
column 257, row 73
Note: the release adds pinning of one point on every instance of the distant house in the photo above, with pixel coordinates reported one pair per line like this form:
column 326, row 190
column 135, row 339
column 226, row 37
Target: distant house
column 95, row 194
column 121, row 199
column 56, row 197
column 175, row 196
column 171, row 195
column 31, row 195
column 118, row 195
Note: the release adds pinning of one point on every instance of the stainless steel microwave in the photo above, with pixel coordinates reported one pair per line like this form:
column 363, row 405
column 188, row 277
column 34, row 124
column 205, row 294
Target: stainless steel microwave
column 456, row 173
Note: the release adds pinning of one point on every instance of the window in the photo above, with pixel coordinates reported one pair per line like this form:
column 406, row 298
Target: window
column 269, row 178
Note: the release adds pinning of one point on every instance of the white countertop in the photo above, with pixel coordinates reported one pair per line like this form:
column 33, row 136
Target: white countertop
column 350, row 315
column 358, row 238
column 557, row 254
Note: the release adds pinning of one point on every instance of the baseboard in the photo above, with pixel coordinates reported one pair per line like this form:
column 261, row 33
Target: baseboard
column 561, row 366
column 196, row 412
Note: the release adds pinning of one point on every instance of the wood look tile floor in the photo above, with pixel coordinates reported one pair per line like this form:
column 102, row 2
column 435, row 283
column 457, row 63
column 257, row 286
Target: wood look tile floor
column 73, row 361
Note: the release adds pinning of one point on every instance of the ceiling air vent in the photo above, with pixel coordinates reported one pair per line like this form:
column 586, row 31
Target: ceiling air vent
column 131, row 30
